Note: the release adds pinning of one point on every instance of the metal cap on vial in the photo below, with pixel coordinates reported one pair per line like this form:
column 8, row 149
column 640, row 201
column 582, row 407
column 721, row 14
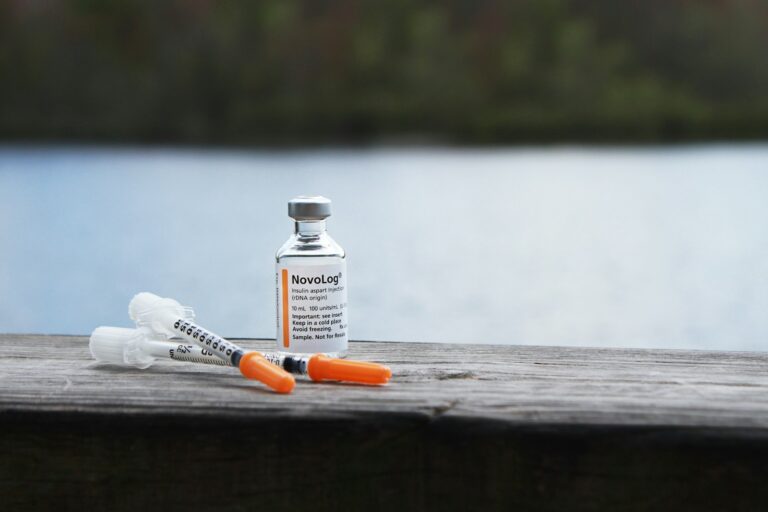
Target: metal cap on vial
column 309, row 208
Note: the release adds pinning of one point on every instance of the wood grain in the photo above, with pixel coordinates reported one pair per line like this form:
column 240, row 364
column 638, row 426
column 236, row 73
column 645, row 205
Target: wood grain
column 542, row 428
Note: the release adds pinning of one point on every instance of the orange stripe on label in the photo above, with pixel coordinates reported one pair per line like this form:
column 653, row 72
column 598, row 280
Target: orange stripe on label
column 286, row 331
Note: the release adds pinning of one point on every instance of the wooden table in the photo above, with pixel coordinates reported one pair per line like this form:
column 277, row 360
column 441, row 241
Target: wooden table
column 461, row 427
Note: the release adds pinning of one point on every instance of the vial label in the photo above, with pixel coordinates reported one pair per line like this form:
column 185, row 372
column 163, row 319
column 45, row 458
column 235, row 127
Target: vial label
column 312, row 308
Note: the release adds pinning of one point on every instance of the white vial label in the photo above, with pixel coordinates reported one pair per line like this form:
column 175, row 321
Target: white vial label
column 312, row 308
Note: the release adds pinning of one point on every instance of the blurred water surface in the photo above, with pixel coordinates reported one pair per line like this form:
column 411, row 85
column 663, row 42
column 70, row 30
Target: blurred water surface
column 642, row 247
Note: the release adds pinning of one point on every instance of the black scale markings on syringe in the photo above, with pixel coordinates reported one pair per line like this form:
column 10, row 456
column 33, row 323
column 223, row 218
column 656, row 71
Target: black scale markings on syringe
column 188, row 354
column 214, row 341
column 298, row 365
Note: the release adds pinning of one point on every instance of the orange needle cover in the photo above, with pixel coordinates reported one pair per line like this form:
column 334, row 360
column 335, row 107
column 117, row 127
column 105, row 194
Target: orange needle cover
column 322, row 367
column 253, row 365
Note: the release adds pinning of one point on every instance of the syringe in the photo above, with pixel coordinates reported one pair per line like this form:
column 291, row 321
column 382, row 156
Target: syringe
column 168, row 318
column 134, row 347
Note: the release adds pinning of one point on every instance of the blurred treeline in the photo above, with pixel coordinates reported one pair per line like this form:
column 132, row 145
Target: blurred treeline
column 463, row 71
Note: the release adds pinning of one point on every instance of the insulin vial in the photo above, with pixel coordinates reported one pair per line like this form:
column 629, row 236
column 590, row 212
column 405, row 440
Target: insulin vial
column 311, row 281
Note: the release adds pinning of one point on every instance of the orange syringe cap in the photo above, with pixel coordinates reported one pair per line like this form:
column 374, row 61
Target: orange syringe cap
column 322, row 367
column 254, row 366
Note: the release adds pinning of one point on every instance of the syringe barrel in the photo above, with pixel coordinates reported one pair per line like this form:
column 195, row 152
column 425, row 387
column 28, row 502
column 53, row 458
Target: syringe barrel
column 204, row 338
column 190, row 353
column 294, row 364
column 184, row 352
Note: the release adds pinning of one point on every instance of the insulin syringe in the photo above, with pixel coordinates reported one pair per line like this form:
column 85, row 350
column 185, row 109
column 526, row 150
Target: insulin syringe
column 158, row 317
column 167, row 318
column 134, row 347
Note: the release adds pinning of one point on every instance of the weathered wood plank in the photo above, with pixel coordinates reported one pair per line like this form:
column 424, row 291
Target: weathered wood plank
column 545, row 428
column 508, row 383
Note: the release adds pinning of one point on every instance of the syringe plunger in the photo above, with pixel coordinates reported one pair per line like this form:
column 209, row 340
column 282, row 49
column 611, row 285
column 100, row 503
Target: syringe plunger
column 121, row 346
column 149, row 311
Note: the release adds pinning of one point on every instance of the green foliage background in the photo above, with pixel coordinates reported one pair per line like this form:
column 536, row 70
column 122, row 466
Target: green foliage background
column 294, row 72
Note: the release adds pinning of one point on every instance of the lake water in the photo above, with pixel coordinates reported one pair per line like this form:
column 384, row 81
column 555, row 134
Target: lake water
column 640, row 247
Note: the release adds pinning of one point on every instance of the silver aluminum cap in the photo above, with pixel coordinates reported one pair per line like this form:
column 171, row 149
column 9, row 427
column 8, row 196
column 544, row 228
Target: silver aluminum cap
column 309, row 208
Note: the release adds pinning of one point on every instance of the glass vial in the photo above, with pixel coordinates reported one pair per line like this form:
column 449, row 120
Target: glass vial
column 311, row 282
